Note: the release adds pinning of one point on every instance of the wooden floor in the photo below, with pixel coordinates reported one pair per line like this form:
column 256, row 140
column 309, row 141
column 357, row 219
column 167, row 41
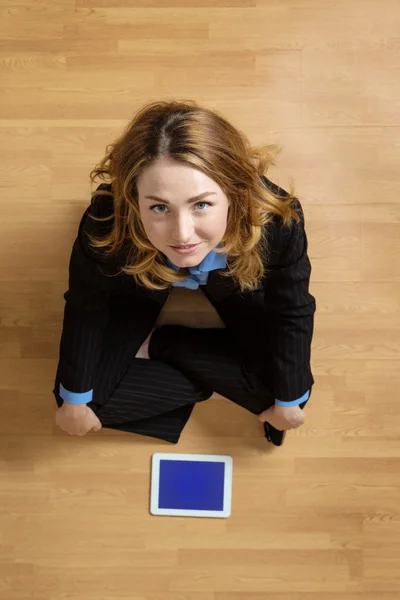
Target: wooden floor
column 319, row 518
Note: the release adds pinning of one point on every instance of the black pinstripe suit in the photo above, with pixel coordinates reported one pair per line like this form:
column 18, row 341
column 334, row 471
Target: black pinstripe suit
column 263, row 354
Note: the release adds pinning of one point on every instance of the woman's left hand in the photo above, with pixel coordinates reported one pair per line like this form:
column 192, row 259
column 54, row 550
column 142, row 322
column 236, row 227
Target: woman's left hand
column 283, row 417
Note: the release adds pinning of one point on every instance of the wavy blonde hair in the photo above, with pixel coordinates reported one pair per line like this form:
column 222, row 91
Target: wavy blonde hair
column 205, row 140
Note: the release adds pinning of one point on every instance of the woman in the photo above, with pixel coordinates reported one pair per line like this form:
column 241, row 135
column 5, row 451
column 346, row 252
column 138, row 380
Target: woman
column 186, row 204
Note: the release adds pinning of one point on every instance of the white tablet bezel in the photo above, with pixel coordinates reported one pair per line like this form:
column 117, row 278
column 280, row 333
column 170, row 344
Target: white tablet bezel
column 155, row 480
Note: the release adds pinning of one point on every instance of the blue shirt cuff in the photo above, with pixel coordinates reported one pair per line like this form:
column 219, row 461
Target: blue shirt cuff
column 75, row 397
column 294, row 402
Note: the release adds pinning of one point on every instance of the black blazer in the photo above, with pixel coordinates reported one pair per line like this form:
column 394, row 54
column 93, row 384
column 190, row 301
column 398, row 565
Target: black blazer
column 106, row 319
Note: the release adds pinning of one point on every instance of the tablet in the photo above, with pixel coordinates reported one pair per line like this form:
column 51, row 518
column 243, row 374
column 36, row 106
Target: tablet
column 191, row 485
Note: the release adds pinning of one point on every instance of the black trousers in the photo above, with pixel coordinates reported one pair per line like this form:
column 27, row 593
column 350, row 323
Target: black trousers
column 156, row 397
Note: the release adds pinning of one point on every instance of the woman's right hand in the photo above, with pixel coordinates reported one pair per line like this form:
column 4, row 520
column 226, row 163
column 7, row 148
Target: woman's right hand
column 77, row 419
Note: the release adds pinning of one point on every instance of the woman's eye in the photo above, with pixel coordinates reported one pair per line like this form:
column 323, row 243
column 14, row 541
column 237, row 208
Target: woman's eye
column 204, row 204
column 157, row 206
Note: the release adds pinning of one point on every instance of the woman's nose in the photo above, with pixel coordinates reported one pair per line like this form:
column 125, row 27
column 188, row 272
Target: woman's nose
column 183, row 230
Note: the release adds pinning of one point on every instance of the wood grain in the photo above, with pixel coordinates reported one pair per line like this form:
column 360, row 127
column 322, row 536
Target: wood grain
column 317, row 519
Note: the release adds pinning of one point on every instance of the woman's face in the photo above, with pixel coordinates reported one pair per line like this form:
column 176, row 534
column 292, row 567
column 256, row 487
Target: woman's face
column 173, row 219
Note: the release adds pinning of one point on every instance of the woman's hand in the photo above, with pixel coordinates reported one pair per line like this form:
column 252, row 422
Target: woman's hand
column 77, row 419
column 283, row 417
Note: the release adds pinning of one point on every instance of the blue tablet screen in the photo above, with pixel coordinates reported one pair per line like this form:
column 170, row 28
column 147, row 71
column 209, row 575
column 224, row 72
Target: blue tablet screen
column 191, row 485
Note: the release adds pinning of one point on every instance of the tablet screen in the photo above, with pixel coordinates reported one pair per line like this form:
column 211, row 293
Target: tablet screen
column 192, row 485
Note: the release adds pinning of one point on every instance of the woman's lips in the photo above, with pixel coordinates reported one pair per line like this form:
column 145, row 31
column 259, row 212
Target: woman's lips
column 187, row 249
